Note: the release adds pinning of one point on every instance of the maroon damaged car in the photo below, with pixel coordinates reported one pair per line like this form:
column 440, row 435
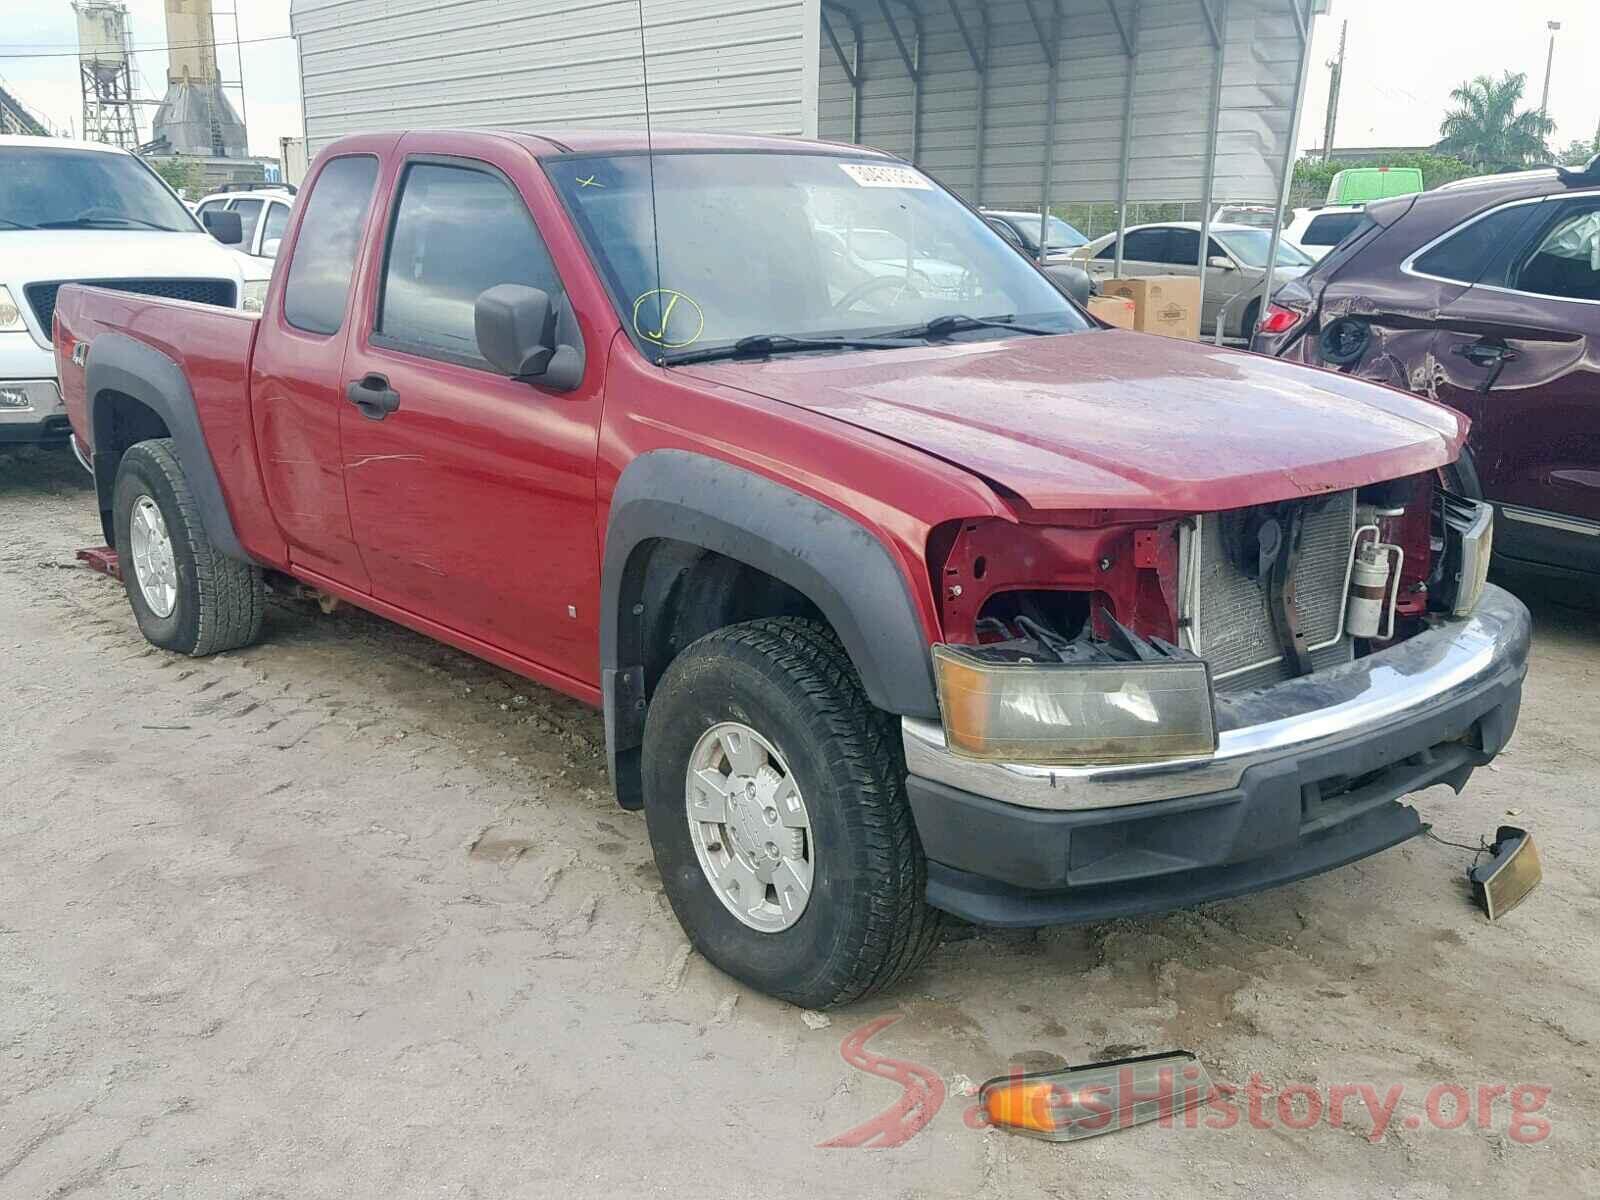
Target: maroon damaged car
column 1483, row 294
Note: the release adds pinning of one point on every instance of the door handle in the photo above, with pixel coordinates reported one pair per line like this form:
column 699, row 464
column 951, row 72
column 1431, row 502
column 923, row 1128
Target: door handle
column 1491, row 355
column 373, row 396
column 1487, row 354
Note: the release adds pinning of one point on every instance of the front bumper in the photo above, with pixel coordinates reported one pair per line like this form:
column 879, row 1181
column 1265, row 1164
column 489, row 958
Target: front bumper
column 42, row 419
column 1306, row 777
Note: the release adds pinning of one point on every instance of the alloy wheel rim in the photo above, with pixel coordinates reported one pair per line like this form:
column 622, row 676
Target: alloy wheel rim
column 750, row 828
column 155, row 567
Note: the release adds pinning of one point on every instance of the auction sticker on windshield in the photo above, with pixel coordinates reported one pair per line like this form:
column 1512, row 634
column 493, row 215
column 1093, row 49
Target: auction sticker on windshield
column 875, row 176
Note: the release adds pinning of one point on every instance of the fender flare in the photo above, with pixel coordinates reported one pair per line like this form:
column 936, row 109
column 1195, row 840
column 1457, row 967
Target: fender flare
column 832, row 560
column 118, row 363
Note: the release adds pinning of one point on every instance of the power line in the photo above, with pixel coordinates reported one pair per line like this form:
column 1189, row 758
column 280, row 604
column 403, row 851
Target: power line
column 277, row 37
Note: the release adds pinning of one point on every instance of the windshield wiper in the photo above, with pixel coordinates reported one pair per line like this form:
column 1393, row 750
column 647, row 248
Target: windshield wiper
column 957, row 322
column 10, row 224
column 763, row 345
column 112, row 222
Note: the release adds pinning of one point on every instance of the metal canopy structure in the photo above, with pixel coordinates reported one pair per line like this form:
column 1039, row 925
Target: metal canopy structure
column 1012, row 103
column 1034, row 103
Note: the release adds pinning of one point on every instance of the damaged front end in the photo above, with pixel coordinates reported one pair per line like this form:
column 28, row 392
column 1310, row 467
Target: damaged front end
column 1118, row 642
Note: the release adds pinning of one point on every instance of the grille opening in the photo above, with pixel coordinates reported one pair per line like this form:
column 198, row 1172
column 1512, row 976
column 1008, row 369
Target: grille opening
column 219, row 292
column 1228, row 612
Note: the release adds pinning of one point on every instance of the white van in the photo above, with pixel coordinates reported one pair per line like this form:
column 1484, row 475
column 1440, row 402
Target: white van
column 1319, row 230
column 82, row 212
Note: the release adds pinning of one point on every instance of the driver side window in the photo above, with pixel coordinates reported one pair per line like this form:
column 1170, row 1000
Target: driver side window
column 457, row 232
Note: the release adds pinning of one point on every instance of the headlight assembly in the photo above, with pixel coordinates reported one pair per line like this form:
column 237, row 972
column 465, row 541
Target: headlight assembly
column 10, row 314
column 1467, row 528
column 1073, row 714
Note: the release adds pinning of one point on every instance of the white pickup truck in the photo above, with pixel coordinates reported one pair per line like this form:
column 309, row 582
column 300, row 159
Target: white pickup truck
column 82, row 212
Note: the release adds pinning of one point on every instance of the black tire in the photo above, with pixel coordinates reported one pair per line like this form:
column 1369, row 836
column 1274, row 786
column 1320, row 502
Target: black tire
column 220, row 601
column 1252, row 314
column 866, row 923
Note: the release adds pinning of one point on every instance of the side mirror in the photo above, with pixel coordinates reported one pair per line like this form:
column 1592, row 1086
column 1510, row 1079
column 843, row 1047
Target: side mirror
column 223, row 225
column 1073, row 281
column 269, row 248
column 524, row 334
column 1220, row 262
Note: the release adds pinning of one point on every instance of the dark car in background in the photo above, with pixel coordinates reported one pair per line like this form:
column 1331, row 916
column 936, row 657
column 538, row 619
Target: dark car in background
column 1021, row 229
column 1483, row 294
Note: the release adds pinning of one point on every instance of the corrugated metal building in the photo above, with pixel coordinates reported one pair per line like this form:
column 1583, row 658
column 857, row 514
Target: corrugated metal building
column 1119, row 97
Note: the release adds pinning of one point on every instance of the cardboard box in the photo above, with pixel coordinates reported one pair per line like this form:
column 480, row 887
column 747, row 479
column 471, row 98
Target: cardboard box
column 1164, row 304
column 1113, row 310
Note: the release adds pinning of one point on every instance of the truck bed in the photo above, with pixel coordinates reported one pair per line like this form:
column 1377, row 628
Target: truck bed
column 211, row 346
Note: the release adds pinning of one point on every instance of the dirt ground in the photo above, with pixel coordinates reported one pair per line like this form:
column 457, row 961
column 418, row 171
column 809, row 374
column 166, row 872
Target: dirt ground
column 349, row 914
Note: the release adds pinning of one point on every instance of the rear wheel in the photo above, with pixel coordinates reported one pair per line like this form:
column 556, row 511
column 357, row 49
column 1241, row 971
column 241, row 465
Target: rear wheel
column 1252, row 314
column 775, row 798
column 185, row 595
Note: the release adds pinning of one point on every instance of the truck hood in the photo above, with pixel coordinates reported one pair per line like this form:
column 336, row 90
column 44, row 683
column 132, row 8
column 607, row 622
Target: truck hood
column 1118, row 420
column 38, row 255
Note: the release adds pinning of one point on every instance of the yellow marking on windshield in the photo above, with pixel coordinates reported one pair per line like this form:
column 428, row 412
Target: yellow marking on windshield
column 661, row 335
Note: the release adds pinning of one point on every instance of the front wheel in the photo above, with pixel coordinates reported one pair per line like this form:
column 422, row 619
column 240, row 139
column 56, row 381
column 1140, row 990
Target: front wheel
column 775, row 798
column 185, row 595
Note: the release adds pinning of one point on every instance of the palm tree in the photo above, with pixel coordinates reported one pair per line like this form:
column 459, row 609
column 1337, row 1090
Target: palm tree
column 1486, row 129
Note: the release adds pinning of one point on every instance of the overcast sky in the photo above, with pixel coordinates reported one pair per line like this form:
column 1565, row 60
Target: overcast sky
column 49, row 86
column 1402, row 59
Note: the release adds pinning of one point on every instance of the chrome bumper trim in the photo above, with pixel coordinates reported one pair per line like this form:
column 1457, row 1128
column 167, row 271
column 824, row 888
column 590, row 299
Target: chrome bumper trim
column 78, row 453
column 1300, row 716
column 44, row 401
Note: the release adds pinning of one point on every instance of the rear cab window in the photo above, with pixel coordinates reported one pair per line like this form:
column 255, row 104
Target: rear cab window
column 317, row 291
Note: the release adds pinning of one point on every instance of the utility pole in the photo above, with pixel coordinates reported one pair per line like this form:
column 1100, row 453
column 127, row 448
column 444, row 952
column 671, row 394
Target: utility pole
column 1550, row 61
column 1334, row 82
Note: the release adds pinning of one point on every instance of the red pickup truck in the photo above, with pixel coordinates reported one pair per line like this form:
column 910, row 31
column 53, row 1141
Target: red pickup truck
column 906, row 587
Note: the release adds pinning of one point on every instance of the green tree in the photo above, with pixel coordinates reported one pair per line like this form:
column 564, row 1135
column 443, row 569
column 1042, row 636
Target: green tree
column 1485, row 127
column 1578, row 152
column 183, row 177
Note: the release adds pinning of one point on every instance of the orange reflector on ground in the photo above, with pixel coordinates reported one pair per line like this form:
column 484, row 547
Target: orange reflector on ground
column 1077, row 1102
column 1021, row 1106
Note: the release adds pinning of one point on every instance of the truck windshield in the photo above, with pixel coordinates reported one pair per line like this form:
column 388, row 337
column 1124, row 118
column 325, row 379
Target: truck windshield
column 51, row 188
column 767, row 245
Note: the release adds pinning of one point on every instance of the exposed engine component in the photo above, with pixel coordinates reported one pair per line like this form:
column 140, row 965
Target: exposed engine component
column 1371, row 578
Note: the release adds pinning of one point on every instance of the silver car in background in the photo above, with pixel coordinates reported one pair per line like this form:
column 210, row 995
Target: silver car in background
column 1236, row 261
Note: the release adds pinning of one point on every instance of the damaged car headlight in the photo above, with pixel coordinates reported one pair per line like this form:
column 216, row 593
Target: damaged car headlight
column 1466, row 528
column 1073, row 714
